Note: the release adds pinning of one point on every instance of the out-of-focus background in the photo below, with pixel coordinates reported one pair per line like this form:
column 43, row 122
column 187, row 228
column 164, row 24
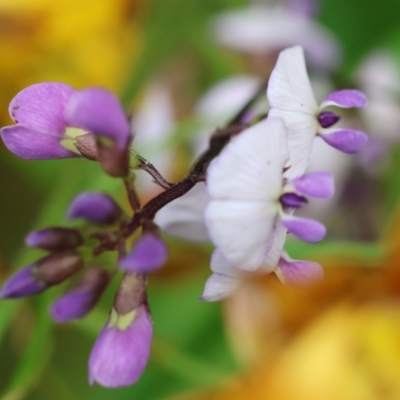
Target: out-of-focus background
column 182, row 67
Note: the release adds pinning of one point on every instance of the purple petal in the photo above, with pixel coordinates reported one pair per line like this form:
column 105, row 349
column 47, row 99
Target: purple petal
column 95, row 207
column 297, row 272
column 22, row 283
column 292, row 200
column 327, row 119
column 100, row 112
column 119, row 356
column 315, row 184
column 54, row 239
column 347, row 98
column 41, row 107
column 149, row 253
column 347, row 140
column 31, row 144
column 305, row 229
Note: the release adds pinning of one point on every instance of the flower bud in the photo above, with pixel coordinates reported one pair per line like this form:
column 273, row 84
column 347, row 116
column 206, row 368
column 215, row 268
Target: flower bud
column 148, row 254
column 54, row 239
column 82, row 297
column 58, row 266
column 95, row 207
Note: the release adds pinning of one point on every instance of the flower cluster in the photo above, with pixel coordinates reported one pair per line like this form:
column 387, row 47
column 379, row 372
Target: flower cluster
column 251, row 179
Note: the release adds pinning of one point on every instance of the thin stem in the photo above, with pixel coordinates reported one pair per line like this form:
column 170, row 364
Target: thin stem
column 131, row 192
column 147, row 166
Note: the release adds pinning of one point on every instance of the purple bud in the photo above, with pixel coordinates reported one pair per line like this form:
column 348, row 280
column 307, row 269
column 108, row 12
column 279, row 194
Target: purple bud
column 122, row 349
column 320, row 185
column 82, row 297
column 309, row 230
column 22, row 283
column 54, row 239
column 58, row 266
column 327, row 119
column 298, row 272
column 95, row 207
column 292, row 200
column 148, row 254
column 347, row 140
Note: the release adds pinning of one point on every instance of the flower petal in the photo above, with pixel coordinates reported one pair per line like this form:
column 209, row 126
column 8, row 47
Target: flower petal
column 309, row 230
column 34, row 145
column 41, row 107
column 315, row 184
column 119, row 356
column 278, row 240
column 347, row 98
column 250, row 166
column 100, row 112
column 241, row 230
column 219, row 287
column 184, row 217
column 149, row 253
column 347, row 140
column 298, row 272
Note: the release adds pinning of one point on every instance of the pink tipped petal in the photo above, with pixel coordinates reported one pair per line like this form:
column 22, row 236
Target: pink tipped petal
column 119, row 356
column 41, row 107
column 34, row 145
column 219, row 287
column 347, row 98
column 347, row 140
column 148, row 254
column 315, row 184
column 309, row 230
column 100, row 112
column 298, row 273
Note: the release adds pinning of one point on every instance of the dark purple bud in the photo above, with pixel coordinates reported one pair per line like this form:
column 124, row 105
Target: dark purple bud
column 95, row 207
column 148, row 254
column 122, row 350
column 292, row 200
column 54, row 239
column 131, row 293
column 326, row 119
column 22, row 283
column 82, row 297
column 58, row 266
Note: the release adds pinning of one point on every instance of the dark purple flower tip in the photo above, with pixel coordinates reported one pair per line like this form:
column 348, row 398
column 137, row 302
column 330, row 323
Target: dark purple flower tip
column 148, row 254
column 54, row 239
column 122, row 350
column 309, row 230
column 298, row 272
column 326, row 119
column 315, row 184
column 22, row 283
column 38, row 111
column 81, row 299
column 347, row 140
column 292, row 200
column 99, row 111
column 95, row 207
column 347, row 98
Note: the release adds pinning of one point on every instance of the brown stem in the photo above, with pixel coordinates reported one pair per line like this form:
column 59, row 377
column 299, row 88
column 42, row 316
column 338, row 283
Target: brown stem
column 147, row 166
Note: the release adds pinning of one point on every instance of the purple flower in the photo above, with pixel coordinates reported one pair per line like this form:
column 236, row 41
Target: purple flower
column 148, row 254
column 52, row 118
column 82, row 297
column 95, row 207
column 122, row 349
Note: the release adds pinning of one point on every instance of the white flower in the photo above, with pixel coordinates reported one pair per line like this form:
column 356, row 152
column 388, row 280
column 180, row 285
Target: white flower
column 291, row 98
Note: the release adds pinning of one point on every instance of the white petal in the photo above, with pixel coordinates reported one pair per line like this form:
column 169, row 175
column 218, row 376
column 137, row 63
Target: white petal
column 289, row 87
column 241, row 230
column 219, row 287
column 250, row 167
column 274, row 254
column 184, row 217
column 220, row 265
